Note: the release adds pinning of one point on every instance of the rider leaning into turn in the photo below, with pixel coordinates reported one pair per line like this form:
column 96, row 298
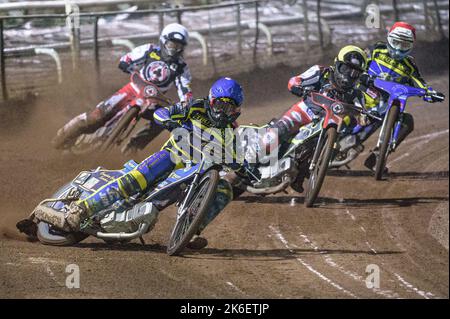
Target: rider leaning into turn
column 201, row 118
column 391, row 61
column 337, row 82
column 162, row 65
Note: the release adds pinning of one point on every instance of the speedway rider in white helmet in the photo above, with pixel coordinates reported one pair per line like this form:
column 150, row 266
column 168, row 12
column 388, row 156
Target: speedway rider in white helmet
column 161, row 64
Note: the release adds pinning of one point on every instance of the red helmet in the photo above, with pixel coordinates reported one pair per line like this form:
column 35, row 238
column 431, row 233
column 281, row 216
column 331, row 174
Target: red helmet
column 401, row 38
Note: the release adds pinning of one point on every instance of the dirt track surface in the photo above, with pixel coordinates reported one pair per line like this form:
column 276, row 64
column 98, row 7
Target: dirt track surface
column 271, row 247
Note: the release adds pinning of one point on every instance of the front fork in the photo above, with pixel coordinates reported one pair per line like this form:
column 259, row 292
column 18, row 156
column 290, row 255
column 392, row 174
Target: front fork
column 317, row 151
column 397, row 128
column 190, row 190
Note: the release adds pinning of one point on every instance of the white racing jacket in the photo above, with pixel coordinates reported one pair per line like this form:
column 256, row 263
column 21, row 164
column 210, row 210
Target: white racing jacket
column 147, row 58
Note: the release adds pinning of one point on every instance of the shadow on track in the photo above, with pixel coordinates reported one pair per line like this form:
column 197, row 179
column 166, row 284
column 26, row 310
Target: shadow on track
column 274, row 254
column 333, row 203
column 215, row 253
column 434, row 176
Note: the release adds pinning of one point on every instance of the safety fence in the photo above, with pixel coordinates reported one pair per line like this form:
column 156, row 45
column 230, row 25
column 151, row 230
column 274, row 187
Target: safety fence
column 242, row 33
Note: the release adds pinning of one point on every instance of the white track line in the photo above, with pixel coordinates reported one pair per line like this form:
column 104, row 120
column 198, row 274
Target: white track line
column 410, row 287
column 403, row 283
column 46, row 263
column 329, row 260
column 426, row 138
column 280, row 236
column 229, row 283
column 362, row 229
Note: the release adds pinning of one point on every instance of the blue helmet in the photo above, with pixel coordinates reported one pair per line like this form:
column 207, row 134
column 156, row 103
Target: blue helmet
column 226, row 88
column 225, row 99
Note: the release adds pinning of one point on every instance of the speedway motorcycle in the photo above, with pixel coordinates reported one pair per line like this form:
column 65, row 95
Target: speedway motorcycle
column 390, row 121
column 307, row 154
column 193, row 187
column 389, row 133
column 116, row 130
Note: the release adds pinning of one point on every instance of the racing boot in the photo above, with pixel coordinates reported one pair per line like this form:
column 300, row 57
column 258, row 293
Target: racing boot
column 69, row 222
column 69, row 132
column 197, row 243
column 371, row 161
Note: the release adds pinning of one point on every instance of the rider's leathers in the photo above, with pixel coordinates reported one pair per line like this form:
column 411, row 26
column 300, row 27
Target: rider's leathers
column 196, row 123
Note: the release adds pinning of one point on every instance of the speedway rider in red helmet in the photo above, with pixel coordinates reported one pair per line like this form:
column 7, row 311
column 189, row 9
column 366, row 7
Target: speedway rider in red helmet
column 162, row 65
column 391, row 61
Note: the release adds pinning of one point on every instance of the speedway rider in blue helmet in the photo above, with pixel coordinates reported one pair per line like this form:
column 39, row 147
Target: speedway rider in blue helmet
column 219, row 111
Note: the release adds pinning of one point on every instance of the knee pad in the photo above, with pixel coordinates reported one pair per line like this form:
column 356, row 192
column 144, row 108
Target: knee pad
column 132, row 183
column 408, row 122
column 155, row 166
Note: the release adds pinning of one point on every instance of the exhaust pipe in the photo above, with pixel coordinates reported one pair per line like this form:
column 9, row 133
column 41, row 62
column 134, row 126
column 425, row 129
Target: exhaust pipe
column 141, row 231
column 270, row 190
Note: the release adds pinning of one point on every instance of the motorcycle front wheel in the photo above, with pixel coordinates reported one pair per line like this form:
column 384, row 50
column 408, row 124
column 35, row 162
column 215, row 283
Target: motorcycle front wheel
column 319, row 172
column 194, row 212
column 386, row 135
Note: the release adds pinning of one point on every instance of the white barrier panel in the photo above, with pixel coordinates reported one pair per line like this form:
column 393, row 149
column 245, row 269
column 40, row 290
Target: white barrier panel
column 266, row 31
column 201, row 39
column 52, row 53
column 123, row 42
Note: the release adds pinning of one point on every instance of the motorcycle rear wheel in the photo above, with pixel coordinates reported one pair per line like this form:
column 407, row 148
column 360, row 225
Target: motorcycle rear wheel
column 121, row 127
column 49, row 236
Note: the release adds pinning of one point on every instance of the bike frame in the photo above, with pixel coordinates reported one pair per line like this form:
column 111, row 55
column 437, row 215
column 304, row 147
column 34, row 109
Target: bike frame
column 398, row 95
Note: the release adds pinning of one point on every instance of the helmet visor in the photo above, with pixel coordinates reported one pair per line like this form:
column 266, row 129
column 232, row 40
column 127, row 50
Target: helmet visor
column 226, row 106
column 401, row 45
column 173, row 47
column 348, row 70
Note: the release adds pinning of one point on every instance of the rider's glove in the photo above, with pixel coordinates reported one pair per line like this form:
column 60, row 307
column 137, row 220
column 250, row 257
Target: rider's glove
column 363, row 120
column 433, row 96
column 171, row 124
column 297, row 90
column 124, row 66
column 179, row 110
column 366, row 80
column 128, row 68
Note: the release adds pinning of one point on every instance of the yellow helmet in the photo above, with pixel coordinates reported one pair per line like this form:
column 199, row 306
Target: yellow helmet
column 349, row 64
column 353, row 56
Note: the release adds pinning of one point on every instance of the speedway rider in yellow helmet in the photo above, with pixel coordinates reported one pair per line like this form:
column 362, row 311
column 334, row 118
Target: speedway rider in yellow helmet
column 338, row 82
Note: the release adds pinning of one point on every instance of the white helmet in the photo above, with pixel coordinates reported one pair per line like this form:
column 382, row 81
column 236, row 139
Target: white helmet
column 401, row 38
column 174, row 37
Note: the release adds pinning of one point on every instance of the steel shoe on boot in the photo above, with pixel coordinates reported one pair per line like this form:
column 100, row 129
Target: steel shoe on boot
column 197, row 243
column 371, row 161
